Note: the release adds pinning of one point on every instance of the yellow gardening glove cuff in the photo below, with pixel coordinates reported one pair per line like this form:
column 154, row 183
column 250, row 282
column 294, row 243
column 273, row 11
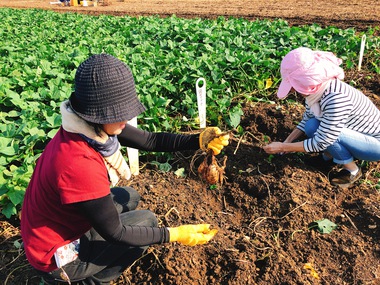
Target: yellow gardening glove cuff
column 192, row 234
column 213, row 138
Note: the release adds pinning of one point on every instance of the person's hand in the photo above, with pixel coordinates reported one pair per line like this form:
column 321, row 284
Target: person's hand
column 274, row 147
column 192, row 234
column 213, row 138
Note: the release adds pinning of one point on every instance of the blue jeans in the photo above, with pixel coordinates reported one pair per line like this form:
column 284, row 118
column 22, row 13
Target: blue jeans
column 350, row 145
column 100, row 262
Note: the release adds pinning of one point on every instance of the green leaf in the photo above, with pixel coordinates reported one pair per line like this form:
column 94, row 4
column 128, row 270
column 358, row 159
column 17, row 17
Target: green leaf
column 324, row 226
column 8, row 130
column 9, row 150
column 165, row 167
column 36, row 132
column 235, row 116
column 16, row 196
column 17, row 244
column 52, row 133
column 54, row 120
column 180, row 172
column 9, row 210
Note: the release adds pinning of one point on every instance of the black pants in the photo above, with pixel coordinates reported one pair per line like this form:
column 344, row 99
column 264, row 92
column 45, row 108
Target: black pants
column 100, row 262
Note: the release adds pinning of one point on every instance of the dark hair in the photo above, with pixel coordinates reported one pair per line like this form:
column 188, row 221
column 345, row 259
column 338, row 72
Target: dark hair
column 98, row 128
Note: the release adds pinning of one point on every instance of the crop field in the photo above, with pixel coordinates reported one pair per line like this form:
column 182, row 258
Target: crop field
column 266, row 208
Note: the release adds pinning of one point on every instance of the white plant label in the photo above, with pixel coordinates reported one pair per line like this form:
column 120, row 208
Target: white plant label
column 362, row 46
column 133, row 154
column 200, row 87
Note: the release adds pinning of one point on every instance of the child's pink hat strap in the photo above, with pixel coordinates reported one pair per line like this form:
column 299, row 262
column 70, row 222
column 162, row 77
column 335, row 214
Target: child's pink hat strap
column 305, row 70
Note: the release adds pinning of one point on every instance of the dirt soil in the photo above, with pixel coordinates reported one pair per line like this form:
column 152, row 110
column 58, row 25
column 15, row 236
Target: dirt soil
column 342, row 13
column 265, row 209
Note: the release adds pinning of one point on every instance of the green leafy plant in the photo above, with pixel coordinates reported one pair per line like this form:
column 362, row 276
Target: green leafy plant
column 323, row 226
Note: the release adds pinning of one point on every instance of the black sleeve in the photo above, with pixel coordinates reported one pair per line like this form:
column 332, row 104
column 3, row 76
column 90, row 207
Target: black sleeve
column 105, row 220
column 165, row 142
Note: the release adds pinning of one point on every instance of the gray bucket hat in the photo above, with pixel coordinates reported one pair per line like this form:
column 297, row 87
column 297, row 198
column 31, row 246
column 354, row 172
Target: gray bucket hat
column 105, row 91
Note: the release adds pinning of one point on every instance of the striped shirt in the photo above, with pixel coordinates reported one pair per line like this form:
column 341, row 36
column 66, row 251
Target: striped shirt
column 342, row 106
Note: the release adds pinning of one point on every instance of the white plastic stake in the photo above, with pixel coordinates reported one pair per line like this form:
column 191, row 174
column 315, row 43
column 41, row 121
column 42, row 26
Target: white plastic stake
column 200, row 87
column 362, row 46
column 133, row 154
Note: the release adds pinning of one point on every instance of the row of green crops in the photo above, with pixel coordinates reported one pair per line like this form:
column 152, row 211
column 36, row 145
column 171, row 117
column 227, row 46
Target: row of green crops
column 40, row 51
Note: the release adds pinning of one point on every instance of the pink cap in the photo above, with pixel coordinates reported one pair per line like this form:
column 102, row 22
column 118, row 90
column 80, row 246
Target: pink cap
column 306, row 70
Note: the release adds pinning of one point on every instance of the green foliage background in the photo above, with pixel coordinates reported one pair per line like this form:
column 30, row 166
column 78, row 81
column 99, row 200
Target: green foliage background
column 40, row 51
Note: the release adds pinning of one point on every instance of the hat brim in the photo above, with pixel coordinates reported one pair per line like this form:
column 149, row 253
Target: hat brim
column 284, row 89
column 107, row 114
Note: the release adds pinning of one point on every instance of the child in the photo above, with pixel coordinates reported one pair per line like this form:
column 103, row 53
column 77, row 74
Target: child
column 339, row 121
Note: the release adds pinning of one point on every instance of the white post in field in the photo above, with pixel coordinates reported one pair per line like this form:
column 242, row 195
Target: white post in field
column 133, row 154
column 200, row 87
column 362, row 46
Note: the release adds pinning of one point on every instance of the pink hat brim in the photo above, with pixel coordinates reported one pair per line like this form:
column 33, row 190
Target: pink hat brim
column 284, row 89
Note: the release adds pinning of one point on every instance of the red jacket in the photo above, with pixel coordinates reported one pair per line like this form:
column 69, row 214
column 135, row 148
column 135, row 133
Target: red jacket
column 48, row 219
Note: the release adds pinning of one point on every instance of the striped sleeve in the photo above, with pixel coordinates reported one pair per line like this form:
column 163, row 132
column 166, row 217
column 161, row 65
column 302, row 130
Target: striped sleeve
column 305, row 117
column 344, row 107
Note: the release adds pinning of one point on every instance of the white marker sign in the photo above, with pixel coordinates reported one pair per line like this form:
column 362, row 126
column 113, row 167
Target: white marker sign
column 362, row 46
column 133, row 154
column 200, row 87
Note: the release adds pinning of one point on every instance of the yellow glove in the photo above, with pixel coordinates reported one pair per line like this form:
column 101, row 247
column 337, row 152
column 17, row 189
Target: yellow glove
column 192, row 234
column 213, row 138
